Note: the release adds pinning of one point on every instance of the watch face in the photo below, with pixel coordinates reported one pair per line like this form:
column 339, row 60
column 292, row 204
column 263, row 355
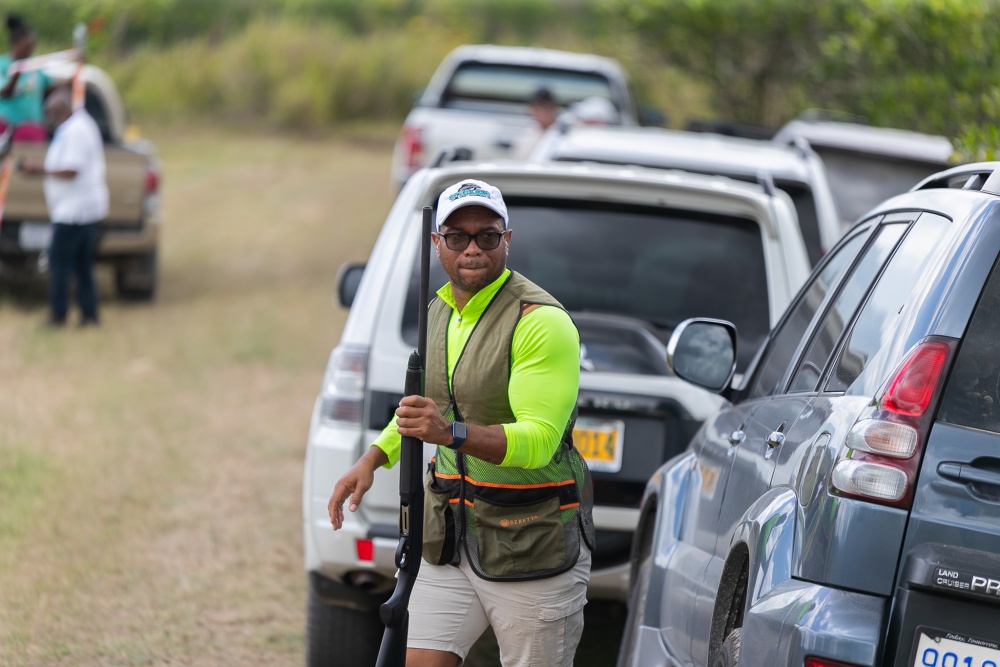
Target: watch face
column 459, row 431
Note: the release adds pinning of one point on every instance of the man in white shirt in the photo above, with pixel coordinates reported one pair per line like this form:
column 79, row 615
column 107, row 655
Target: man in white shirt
column 76, row 192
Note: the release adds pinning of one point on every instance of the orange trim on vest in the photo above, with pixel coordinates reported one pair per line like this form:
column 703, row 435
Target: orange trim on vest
column 541, row 485
column 570, row 506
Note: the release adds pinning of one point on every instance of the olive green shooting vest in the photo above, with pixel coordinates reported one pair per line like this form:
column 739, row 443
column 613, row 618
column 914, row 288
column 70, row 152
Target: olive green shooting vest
column 515, row 523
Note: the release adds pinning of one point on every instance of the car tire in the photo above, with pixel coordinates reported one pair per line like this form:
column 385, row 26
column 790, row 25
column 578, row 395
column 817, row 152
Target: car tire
column 135, row 280
column 337, row 635
column 729, row 652
column 637, row 595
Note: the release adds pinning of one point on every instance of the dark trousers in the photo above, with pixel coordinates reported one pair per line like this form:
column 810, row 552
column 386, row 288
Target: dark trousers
column 71, row 254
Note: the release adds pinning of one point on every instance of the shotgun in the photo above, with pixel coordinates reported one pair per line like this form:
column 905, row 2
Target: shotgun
column 392, row 652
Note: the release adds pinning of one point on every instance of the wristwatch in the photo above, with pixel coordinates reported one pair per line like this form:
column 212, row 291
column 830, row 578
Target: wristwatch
column 458, row 434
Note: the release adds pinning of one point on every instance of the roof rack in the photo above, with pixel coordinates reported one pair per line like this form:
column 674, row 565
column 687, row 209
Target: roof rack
column 980, row 177
column 766, row 183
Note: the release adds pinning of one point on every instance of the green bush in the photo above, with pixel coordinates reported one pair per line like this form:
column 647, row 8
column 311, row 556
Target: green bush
column 283, row 73
column 928, row 65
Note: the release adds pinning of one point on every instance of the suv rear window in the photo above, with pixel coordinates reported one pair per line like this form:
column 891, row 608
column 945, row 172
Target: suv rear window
column 656, row 265
column 476, row 83
column 800, row 193
column 972, row 397
column 861, row 181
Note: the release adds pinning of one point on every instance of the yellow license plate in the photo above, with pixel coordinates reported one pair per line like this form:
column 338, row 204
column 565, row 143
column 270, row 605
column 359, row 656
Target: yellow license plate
column 600, row 442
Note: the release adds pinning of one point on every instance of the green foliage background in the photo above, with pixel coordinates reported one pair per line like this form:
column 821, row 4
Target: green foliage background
column 928, row 65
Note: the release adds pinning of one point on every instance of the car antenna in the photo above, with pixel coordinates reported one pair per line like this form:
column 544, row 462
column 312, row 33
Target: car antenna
column 394, row 614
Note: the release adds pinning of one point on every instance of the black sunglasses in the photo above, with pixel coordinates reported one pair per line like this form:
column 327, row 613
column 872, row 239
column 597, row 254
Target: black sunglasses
column 484, row 240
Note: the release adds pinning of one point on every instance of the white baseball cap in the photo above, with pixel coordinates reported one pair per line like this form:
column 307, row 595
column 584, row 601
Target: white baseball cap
column 470, row 192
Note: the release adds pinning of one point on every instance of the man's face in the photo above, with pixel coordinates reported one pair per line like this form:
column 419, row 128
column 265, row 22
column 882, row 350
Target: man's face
column 473, row 268
column 544, row 113
column 24, row 47
column 55, row 114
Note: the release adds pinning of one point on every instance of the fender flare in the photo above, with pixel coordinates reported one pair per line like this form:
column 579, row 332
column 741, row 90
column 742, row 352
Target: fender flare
column 762, row 552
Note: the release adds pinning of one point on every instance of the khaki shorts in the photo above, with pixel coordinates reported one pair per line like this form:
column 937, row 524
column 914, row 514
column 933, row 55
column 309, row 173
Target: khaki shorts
column 535, row 622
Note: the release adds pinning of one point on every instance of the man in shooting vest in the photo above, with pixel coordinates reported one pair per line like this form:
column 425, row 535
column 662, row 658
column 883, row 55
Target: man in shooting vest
column 508, row 530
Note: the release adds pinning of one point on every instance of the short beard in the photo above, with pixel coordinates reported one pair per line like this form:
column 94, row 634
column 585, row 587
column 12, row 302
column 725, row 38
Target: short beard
column 474, row 285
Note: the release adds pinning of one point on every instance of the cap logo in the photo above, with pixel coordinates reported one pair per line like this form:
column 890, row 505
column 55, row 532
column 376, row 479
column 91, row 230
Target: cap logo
column 469, row 190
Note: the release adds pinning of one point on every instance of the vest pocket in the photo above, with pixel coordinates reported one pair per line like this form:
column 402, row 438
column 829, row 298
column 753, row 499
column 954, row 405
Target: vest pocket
column 439, row 524
column 519, row 539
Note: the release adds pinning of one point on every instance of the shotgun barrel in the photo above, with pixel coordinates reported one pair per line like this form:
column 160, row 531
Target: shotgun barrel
column 394, row 614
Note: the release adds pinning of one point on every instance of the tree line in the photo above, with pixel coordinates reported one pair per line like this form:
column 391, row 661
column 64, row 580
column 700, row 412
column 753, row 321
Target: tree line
column 926, row 65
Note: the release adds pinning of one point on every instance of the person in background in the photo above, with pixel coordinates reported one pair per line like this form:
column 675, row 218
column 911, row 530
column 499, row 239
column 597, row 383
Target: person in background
column 76, row 192
column 544, row 110
column 22, row 94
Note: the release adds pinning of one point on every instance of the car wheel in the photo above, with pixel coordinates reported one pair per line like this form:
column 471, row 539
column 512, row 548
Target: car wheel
column 135, row 280
column 637, row 594
column 729, row 652
column 337, row 635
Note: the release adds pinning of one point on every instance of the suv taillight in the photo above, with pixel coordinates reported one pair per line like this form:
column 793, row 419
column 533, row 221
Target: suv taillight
column 882, row 456
column 413, row 147
column 343, row 392
column 813, row 661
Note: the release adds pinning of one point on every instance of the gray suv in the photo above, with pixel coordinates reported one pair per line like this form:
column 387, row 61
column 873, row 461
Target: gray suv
column 843, row 509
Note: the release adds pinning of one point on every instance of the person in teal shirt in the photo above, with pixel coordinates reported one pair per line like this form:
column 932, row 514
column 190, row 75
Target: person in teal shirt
column 22, row 94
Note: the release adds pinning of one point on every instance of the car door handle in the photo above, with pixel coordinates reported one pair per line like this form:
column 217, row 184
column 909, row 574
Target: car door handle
column 505, row 144
column 964, row 473
column 776, row 437
column 737, row 437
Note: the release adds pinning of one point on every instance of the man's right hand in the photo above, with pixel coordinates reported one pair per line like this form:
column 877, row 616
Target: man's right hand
column 355, row 483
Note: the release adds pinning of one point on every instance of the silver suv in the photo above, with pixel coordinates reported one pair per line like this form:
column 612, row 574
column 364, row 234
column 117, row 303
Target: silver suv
column 842, row 509
column 630, row 253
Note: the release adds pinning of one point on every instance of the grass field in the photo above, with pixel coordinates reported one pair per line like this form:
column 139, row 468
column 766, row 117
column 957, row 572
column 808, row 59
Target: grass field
column 150, row 470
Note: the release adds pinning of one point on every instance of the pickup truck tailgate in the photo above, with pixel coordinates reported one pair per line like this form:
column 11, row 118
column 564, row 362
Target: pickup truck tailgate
column 126, row 174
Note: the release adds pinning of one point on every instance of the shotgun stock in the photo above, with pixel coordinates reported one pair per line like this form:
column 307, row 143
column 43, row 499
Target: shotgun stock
column 393, row 612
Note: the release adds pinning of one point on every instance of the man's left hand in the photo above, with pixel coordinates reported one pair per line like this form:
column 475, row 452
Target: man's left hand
column 418, row 417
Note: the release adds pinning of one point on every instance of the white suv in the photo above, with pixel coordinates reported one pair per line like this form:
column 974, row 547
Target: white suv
column 630, row 253
column 797, row 169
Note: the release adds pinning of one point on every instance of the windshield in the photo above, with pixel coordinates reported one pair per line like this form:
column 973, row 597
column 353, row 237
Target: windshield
column 656, row 265
column 476, row 84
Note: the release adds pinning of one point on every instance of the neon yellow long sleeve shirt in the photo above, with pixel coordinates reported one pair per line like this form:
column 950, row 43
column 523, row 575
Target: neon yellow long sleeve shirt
column 544, row 377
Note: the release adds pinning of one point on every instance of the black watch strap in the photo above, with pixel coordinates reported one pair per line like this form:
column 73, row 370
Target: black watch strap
column 458, row 434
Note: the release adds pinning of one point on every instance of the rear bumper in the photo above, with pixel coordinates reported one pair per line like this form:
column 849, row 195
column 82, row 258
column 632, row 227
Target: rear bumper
column 950, row 592
column 117, row 240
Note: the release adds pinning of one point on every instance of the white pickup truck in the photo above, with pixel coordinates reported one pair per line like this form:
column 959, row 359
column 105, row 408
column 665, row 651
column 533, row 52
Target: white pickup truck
column 479, row 99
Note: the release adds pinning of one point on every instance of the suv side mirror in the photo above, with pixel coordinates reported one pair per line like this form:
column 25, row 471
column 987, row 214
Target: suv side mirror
column 703, row 352
column 348, row 281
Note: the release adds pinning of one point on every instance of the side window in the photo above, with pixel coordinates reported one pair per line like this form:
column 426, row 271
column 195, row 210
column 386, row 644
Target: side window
column 874, row 325
column 839, row 316
column 972, row 397
column 782, row 346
